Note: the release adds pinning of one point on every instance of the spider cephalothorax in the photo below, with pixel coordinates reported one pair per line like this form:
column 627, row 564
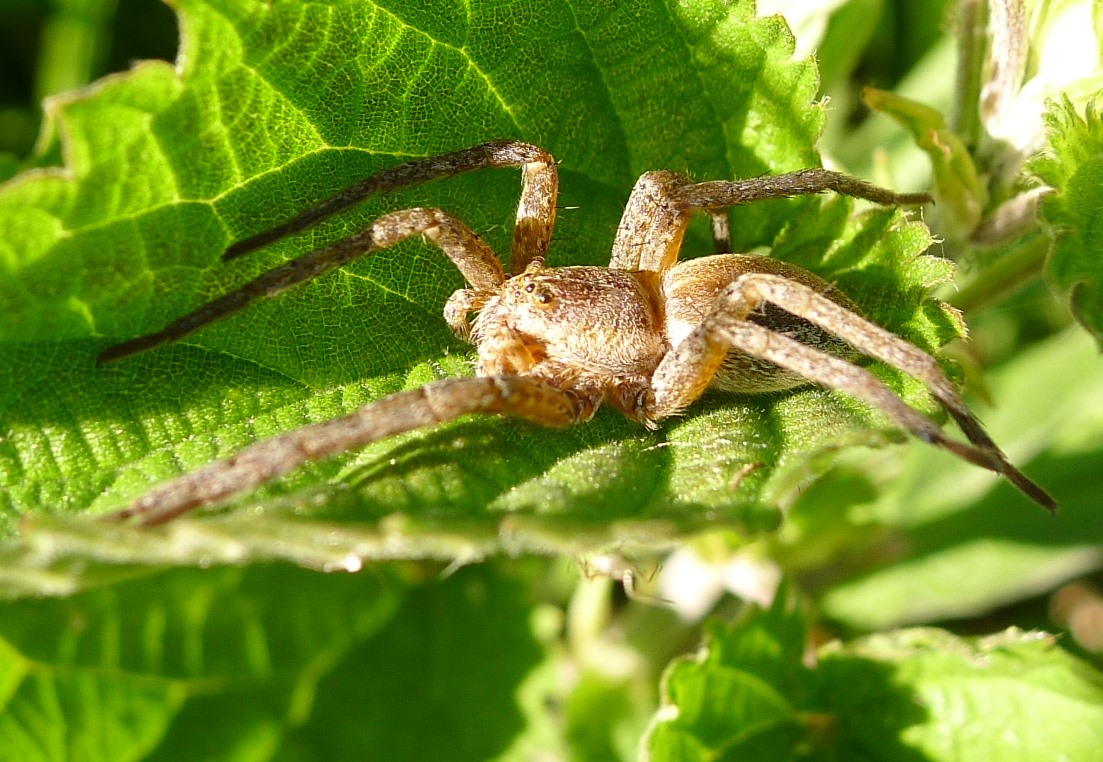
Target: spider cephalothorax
column 596, row 332
column 646, row 335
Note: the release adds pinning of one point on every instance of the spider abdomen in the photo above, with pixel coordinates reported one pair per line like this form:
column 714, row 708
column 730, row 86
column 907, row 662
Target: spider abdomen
column 691, row 287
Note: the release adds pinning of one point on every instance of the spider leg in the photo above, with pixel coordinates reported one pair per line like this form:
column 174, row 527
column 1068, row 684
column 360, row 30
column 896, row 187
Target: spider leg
column 653, row 225
column 535, row 222
column 718, row 194
column 475, row 259
column 535, row 213
column 686, row 370
column 519, row 396
column 662, row 203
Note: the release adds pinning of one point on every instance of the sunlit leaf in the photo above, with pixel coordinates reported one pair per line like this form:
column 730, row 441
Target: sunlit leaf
column 275, row 107
column 1073, row 166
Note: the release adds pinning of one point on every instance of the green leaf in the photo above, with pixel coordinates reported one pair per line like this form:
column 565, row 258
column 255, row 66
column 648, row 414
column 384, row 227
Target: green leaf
column 109, row 673
column 438, row 683
column 925, row 694
column 920, row 694
column 254, row 664
column 275, row 106
column 910, row 531
column 736, row 698
column 1073, row 166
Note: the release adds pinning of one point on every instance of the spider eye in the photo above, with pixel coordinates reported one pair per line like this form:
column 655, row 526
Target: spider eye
column 540, row 295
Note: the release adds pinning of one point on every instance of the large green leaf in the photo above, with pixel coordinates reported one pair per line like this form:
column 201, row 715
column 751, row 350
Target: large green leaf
column 264, row 663
column 274, row 106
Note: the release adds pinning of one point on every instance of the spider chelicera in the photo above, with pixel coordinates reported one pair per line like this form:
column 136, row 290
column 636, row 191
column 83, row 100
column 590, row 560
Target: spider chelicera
column 647, row 334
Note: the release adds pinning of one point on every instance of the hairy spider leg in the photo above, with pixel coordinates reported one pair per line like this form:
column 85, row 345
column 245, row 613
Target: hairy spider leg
column 662, row 203
column 519, row 396
column 686, row 369
column 653, row 225
column 535, row 212
column 650, row 238
column 473, row 257
column 532, row 234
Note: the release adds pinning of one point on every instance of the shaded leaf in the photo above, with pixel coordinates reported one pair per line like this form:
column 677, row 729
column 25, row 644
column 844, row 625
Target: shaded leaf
column 253, row 664
column 914, row 695
column 109, row 673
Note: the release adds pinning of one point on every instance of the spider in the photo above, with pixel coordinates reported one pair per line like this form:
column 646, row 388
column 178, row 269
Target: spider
column 647, row 335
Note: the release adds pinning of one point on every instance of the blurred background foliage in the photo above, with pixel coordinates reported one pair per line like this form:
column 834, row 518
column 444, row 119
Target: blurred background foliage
column 49, row 47
column 53, row 46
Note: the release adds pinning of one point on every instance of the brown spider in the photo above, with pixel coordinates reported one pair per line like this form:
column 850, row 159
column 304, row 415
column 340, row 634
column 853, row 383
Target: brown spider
column 647, row 334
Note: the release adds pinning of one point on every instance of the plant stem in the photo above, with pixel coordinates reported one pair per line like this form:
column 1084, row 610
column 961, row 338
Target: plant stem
column 989, row 284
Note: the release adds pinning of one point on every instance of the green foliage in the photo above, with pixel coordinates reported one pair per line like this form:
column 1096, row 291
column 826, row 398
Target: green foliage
column 1074, row 169
column 896, row 696
column 189, row 174
column 945, row 521
column 207, row 639
column 735, row 697
column 255, row 663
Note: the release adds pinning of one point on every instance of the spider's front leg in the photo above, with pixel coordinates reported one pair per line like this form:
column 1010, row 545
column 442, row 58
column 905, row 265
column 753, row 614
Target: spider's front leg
column 535, row 211
column 472, row 256
column 518, row 396
column 480, row 266
column 690, row 366
column 662, row 203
